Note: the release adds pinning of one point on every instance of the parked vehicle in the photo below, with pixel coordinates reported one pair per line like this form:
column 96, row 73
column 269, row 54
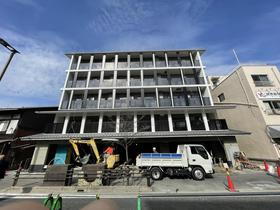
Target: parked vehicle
column 192, row 160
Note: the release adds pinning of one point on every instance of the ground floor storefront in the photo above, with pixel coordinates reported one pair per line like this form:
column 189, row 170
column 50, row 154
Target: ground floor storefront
column 51, row 152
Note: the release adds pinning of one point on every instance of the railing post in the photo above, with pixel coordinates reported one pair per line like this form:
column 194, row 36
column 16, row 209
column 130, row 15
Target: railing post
column 16, row 176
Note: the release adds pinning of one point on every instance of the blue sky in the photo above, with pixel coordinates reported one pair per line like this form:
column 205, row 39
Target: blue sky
column 44, row 30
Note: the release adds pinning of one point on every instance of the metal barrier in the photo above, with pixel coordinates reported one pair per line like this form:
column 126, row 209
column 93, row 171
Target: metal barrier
column 107, row 176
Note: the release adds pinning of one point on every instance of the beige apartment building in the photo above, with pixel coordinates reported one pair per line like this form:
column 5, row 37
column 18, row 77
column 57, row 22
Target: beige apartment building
column 255, row 91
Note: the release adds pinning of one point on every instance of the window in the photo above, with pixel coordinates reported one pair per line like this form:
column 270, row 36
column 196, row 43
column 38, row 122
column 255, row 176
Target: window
column 221, row 97
column 199, row 151
column 261, row 80
column 272, row 107
column 4, row 125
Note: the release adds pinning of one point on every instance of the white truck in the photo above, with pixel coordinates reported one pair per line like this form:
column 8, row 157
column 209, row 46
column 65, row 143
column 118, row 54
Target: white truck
column 190, row 159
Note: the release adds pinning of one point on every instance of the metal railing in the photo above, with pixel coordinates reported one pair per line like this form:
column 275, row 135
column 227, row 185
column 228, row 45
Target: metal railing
column 91, row 127
column 124, row 175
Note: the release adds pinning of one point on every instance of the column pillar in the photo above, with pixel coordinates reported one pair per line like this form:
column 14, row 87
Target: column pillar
column 205, row 121
column 170, row 123
column 39, row 157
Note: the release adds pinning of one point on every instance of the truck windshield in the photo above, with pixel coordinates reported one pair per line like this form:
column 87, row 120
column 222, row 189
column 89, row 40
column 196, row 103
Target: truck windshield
column 200, row 151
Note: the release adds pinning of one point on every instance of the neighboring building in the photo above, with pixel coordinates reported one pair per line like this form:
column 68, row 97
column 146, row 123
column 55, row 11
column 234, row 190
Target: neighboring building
column 158, row 98
column 215, row 80
column 19, row 122
column 255, row 91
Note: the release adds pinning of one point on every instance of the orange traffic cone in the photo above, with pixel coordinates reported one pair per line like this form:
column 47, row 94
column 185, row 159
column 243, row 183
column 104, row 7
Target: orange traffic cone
column 265, row 165
column 231, row 187
column 278, row 171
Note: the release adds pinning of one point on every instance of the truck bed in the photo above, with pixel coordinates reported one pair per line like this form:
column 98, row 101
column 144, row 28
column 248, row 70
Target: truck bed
column 161, row 159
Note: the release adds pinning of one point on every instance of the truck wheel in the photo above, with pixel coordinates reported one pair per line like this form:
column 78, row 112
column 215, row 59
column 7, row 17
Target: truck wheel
column 198, row 174
column 156, row 173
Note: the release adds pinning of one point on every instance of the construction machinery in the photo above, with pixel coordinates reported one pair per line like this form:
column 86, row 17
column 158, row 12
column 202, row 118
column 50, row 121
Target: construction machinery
column 110, row 161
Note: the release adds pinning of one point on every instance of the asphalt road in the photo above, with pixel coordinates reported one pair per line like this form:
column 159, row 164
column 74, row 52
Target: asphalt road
column 231, row 201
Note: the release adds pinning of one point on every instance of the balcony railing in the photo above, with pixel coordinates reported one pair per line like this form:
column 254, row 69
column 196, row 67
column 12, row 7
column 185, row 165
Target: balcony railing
column 193, row 80
column 54, row 128
column 106, row 103
column 179, row 101
column 136, row 103
column 121, row 82
column 89, row 104
column 74, row 127
column 176, row 80
column 91, row 127
column 163, row 81
column 107, row 83
column 84, row 66
column 64, row 104
column 150, row 102
column 217, row 124
column 149, row 82
column 77, row 104
column 81, row 83
column 94, row 83
column 135, row 82
column 206, row 101
column 194, row 101
column 263, row 83
column 165, row 102
column 121, row 103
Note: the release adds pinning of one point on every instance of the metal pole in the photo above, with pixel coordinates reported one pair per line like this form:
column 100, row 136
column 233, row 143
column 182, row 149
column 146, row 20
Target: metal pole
column 236, row 56
column 7, row 64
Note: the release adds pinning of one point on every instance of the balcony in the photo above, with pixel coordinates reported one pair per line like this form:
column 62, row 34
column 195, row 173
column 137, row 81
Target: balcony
column 149, row 81
column 135, row 82
column 194, row 80
column 84, row 66
column 150, row 102
column 263, row 83
column 136, row 103
column 91, row 127
column 163, row 81
column 121, row 103
column 217, row 124
column 94, row 83
column 74, row 127
column 64, row 104
column 81, row 83
column 107, row 83
column 77, row 104
column 90, row 104
column 54, row 128
column 121, row 82
column 164, row 102
column 194, row 101
column 176, row 80
column 206, row 101
column 106, row 103
column 179, row 101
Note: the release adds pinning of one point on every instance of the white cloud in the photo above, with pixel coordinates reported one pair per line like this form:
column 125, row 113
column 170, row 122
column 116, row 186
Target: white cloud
column 38, row 72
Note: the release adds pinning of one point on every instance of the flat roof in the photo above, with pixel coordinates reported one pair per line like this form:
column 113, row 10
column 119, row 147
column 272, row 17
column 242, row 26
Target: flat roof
column 140, row 135
column 137, row 51
column 28, row 108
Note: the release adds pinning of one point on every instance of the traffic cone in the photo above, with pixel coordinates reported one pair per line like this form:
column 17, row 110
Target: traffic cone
column 231, row 187
column 278, row 171
column 265, row 165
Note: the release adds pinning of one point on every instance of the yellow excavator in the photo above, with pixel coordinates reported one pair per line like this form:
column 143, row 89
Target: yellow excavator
column 110, row 161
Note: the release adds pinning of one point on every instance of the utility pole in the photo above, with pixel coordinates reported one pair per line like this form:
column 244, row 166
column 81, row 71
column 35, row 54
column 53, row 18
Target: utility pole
column 13, row 52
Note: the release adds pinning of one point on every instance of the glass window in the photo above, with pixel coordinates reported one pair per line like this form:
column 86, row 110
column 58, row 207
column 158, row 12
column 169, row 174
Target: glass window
column 4, row 125
column 261, row 80
column 221, row 97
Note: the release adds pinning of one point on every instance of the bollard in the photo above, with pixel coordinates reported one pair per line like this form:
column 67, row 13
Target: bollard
column 139, row 204
column 231, row 187
column 16, row 176
column 57, row 203
column 48, row 202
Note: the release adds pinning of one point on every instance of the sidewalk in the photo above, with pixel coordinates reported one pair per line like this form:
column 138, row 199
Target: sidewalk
column 244, row 181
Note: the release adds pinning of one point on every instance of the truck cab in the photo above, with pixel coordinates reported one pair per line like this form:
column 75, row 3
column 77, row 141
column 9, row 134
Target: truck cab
column 190, row 159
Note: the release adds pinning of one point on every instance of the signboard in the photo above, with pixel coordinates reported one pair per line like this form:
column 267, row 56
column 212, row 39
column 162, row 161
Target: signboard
column 269, row 94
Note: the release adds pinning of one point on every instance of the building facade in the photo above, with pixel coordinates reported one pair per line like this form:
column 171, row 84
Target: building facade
column 156, row 98
column 19, row 122
column 255, row 91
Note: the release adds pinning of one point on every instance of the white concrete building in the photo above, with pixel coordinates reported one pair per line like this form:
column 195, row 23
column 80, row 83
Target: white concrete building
column 255, row 91
column 158, row 98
